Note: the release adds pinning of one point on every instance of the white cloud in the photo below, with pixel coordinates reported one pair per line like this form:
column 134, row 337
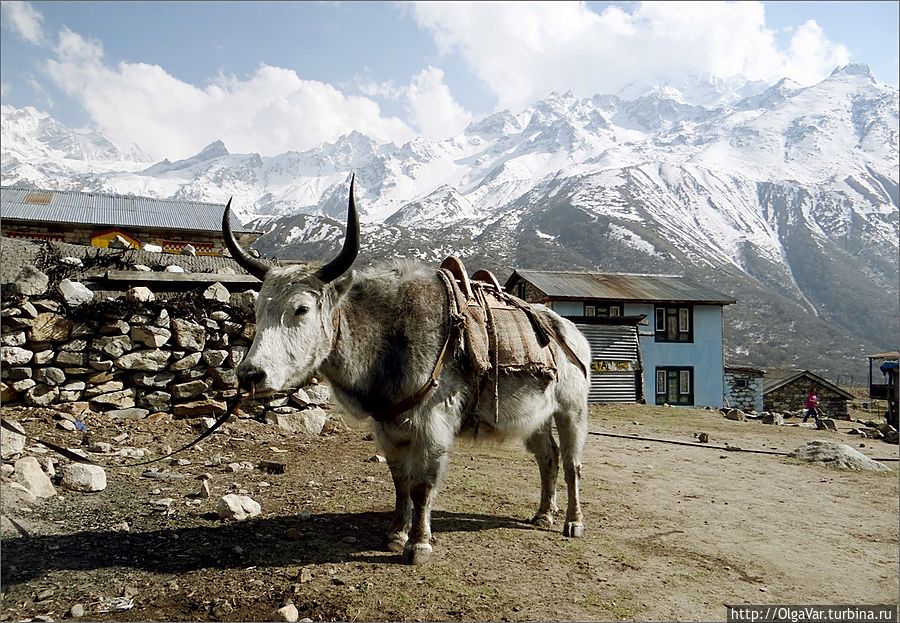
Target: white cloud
column 524, row 50
column 430, row 106
column 21, row 18
column 269, row 112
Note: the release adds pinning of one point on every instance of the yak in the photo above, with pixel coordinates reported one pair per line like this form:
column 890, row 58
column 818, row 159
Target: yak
column 376, row 336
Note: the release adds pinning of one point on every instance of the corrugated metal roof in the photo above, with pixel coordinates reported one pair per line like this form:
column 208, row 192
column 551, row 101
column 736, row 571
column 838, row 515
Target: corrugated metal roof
column 62, row 206
column 620, row 287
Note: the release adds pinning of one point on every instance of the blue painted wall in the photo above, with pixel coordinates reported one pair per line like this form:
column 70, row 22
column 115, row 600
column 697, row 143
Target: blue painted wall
column 704, row 354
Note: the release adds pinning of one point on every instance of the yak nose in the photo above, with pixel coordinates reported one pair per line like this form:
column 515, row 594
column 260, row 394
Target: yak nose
column 250, row 377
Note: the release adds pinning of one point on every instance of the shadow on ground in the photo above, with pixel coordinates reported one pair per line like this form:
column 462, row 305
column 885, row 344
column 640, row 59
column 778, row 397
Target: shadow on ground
column 261, row 542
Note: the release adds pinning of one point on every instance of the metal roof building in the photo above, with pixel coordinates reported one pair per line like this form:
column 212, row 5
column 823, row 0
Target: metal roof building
column 71, row 207
column 102, row 220
column 564, row 285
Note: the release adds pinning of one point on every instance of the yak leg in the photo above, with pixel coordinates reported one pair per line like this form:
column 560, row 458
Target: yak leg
column 422, row 493
column 398, row 534
column 572, row 427
column 546, row 452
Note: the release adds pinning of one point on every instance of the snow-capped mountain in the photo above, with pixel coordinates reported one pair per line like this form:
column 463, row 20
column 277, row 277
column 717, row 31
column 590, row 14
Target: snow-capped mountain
column 785, row 196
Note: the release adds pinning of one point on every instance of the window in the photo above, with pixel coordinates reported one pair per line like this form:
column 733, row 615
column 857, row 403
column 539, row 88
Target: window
column 740, row 383
column 674, row 323
column 675, row 385
column 603, row 311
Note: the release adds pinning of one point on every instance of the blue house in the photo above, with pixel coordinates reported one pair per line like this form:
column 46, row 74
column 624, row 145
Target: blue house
column 680, row 359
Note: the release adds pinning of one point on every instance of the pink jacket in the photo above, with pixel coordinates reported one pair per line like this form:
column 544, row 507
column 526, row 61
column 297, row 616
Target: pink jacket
column 812, row 401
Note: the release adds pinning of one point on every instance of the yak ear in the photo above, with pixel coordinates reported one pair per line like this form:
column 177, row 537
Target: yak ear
column 342, row 284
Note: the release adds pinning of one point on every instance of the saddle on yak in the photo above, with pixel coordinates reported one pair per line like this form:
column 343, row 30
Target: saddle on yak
column 501, row 334
column 493, row 333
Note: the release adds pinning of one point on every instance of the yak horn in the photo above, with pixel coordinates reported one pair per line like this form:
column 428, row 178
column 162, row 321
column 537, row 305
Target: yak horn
column 247, row 262
column 344, row 260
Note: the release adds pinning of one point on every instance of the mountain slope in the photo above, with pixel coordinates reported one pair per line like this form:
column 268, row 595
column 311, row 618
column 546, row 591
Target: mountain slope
column 783, row 196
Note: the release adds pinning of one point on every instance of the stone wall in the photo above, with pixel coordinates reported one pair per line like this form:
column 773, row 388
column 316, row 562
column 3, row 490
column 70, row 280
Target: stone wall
column 135, row 355
column 792, row 396
column 744, row 390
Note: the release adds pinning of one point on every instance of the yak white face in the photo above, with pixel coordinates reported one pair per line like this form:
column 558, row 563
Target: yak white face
column 294, row 332
column 294, row 325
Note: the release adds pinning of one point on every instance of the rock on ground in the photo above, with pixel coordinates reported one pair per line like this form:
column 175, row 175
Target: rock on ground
column 81, row 477
column 238, row 507
column 11, row 443
column 30, row 475
column 837, row 455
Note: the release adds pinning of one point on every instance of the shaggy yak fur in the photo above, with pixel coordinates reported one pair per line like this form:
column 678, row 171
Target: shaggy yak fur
column 375, row 335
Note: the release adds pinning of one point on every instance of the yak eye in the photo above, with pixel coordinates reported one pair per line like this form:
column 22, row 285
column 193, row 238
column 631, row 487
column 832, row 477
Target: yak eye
column 301, row 311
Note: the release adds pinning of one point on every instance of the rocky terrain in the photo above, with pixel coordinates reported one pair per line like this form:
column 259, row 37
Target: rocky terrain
column 257, row 523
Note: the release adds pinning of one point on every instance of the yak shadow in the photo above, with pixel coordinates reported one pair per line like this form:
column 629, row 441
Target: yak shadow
column 256, row 542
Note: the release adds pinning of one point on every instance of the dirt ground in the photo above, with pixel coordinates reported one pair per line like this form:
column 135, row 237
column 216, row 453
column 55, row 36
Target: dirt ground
column 672, row 532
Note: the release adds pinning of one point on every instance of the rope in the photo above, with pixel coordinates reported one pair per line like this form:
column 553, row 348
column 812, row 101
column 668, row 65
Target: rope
column 710, row 447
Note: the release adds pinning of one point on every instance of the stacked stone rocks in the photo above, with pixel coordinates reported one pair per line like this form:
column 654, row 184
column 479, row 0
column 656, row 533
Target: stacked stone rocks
column 136, row 356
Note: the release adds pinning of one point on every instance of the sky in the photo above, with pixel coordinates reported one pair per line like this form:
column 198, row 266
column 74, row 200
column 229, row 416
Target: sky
column 268, row 77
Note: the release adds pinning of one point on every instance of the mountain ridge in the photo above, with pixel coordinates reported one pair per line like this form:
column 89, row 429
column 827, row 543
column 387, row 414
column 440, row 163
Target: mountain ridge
column 791, row 192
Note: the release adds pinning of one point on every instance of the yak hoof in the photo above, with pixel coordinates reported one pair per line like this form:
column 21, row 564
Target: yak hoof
column 543, row 520
column 573, row 529
column 395, row 542
column 416, row 554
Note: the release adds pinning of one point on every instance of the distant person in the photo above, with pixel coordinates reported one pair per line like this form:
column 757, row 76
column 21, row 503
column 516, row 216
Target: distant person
column 812, row 406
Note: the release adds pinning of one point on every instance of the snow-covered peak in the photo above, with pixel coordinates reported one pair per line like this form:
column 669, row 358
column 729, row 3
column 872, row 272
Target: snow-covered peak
column 854, row 69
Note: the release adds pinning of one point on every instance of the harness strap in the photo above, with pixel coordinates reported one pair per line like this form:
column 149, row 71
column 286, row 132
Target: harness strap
column 411, row 401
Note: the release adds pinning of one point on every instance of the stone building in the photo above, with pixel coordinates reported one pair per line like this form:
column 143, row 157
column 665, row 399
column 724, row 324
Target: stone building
column 744, row 388
column 785, row 390
column 96, row 219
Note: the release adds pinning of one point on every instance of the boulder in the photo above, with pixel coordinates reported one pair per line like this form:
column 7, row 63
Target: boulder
column 736, row 415
column 15, row 356
column 50, row 376
column 217, row 292
column 118, row 400
column 773, row 418
column 311, row 421
column 156, row 401
column 74, row 293
column 174, row 268
column 50, row 327
column 31, row 282
column 244, row 301
column 200, row 408
column 153, row 337
column 30, row 475
column 189, row 389
column 188, row 335
column 146, row 360
column 10, row 442
column 186, row 362
column 15, row 338
column 237, row 507
column 836, row 455
column 132, row 413
column 41, row 395
column 66, row 358
column 81, row 477
column 140, row 294
column 113, row 345
column 215, row 358
column 188, row 249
